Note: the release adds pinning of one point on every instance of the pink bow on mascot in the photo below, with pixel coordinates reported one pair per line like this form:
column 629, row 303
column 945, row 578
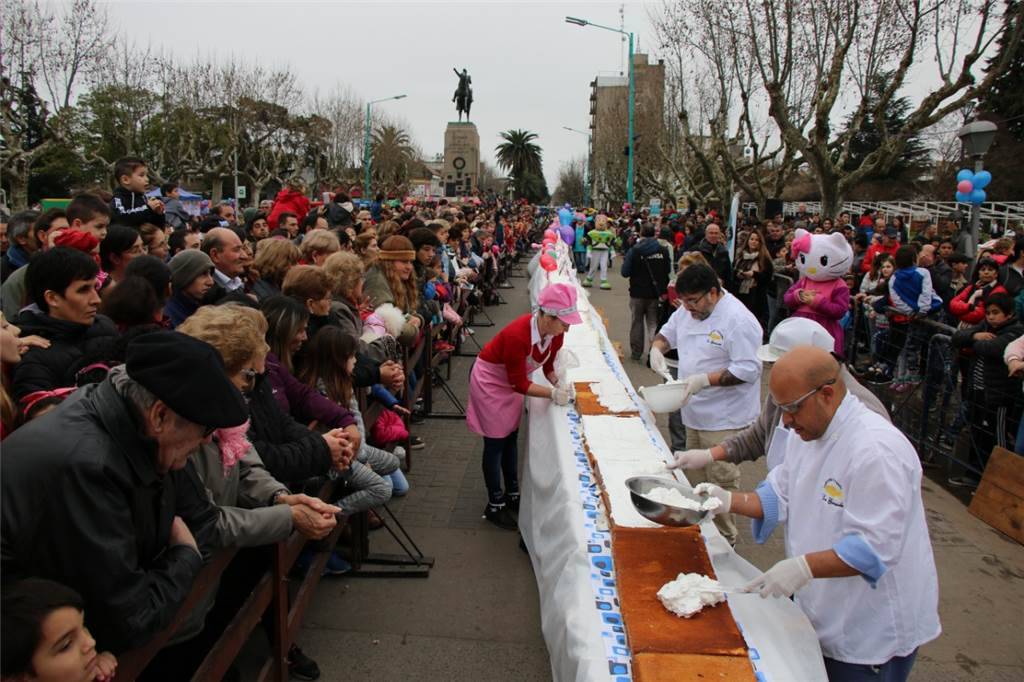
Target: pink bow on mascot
column 821, row 294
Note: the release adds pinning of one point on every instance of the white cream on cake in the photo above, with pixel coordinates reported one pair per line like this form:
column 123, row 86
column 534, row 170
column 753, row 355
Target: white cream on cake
column 689, row 593
column 674, row 498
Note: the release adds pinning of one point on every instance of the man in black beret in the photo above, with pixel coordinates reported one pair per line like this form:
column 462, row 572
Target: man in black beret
column 93, row 495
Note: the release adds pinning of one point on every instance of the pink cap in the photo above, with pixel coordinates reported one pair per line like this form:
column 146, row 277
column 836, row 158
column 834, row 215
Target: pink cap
column 560, row 300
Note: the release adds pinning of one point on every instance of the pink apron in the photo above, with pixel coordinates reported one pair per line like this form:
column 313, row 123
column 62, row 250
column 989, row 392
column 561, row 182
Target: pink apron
column 495, row 408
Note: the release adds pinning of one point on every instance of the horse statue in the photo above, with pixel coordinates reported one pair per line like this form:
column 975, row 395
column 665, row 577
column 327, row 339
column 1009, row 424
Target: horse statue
column 463, row 96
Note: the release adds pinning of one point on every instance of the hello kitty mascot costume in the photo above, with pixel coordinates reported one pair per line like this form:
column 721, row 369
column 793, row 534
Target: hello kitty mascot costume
column 821, row 294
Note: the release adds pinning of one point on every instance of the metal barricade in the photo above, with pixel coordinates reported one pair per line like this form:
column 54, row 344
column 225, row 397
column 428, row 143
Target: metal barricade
column 949, row 425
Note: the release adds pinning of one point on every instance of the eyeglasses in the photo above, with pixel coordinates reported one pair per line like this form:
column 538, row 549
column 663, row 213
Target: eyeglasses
column 692, row 302
column 794, row 406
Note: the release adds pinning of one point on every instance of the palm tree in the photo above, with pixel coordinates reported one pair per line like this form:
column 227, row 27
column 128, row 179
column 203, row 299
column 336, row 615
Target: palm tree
column 520, row 157
column 518, row 154
column 392, row 155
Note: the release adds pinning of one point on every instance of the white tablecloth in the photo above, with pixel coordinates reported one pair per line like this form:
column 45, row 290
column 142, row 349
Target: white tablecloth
column 570, row 546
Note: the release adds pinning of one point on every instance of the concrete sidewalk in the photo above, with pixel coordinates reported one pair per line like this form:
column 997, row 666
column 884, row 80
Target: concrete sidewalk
column 477, row 616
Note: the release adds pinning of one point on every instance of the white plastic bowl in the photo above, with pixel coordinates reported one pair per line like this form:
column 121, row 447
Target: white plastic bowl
column 663, row 398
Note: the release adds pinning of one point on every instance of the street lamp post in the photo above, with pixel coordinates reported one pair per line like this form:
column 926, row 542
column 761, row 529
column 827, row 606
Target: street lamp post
column 976, row 137
column 632, row 97
column 366, row 144
column 586, row 166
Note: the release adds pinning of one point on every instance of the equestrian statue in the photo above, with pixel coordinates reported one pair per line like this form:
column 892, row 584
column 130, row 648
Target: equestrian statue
column 463, row 96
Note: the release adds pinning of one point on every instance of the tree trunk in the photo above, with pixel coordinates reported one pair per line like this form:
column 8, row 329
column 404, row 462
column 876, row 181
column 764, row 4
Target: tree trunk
column 18, row 181
column 217, row 190
column 831, row 199
column 254, row 196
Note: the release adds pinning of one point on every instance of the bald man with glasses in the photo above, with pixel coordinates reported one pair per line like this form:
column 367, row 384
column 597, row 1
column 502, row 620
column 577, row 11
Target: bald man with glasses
column 859, row 560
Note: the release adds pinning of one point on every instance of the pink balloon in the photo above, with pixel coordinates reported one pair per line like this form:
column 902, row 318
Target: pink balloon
column 548, row 263
column 965, row 186
column 550, row 233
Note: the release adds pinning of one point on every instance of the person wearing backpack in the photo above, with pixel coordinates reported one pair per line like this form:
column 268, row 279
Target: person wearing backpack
column 648, row 266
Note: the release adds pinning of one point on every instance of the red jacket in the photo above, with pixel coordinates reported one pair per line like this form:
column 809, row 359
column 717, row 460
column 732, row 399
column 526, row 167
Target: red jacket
column 288, row 201
column 973, row 314
column 875, row 249
column 510, row 348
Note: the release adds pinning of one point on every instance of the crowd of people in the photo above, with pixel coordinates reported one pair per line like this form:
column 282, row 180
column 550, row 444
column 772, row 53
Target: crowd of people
column 891, row 287
column 177, row 383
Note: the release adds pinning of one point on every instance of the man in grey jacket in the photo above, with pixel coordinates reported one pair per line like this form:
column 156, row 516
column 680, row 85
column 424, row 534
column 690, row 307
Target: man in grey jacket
column 766, row 436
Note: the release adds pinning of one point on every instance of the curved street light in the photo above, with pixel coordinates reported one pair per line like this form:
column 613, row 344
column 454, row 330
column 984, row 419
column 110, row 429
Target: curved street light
column 366, row 144
column 576, row 21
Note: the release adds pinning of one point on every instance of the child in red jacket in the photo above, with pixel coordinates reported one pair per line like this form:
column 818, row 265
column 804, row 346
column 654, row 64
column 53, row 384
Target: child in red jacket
column 291, row 199
column 968, row 306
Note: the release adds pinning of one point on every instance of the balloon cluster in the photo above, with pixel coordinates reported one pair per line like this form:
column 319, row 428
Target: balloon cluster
column 548, row 256
column 970, row 186
column 565, row 228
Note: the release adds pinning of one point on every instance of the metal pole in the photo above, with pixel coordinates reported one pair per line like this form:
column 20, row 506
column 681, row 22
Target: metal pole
column 366, row 154
column 972, row 248
column 237, row 205
column 632, row 98
column 586, row 175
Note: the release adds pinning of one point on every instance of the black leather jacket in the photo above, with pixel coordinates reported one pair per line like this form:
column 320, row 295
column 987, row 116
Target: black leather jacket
column 83, row 504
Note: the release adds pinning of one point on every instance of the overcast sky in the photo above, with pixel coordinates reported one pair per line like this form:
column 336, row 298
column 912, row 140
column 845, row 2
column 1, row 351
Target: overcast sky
column 530, row 69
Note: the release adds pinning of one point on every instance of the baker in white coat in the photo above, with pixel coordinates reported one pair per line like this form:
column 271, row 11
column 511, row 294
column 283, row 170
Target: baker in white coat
column 859, row 559
column 717, row 339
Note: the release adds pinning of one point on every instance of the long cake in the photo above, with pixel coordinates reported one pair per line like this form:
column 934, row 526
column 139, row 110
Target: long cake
column 646, row 559
column 588, row 403
column 665, row 647
column 690, row 668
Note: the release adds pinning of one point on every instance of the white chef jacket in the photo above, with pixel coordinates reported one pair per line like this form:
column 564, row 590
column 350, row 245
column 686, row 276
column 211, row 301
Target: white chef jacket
column 857, row 490
column 727, row 339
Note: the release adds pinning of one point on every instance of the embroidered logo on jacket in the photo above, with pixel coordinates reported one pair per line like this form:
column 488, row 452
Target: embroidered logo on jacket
column 833, row 493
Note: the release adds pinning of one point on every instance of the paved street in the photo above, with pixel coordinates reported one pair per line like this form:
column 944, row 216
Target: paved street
column 477, row 616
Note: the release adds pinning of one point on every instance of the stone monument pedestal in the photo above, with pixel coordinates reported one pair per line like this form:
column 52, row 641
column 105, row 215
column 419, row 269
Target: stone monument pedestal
column 461, row 171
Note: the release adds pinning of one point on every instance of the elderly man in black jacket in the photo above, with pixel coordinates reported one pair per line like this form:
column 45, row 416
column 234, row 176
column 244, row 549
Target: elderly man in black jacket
column 648, row 266
column 716, row 252
column 94, row 496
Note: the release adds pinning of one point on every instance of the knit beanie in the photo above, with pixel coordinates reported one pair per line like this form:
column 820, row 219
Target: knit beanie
column 397, row 247
column 187, row 265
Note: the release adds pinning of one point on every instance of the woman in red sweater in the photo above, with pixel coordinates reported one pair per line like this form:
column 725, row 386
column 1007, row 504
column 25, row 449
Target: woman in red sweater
column 498, row 383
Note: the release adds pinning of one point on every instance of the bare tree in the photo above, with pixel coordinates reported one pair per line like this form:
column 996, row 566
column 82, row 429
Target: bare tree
column 344, row 146
column 570, row 182
column 719, row 137
column 75, row 49
column 838, row 48
column 43, row 57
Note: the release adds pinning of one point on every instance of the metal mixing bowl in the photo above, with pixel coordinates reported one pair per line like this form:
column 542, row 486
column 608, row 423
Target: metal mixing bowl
column 660, row 513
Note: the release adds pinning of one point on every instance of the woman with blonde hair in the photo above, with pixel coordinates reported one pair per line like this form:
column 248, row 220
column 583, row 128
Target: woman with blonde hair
column 274, row 258
column 318, row 245
column 386, row 229
column 392, row 280
column 256, row 509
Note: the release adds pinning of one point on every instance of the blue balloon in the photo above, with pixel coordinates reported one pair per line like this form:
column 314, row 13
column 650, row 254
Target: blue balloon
column 565, row 216
column 962, row 198
column 981, row 179
column 965, row 174
column 978, row 196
